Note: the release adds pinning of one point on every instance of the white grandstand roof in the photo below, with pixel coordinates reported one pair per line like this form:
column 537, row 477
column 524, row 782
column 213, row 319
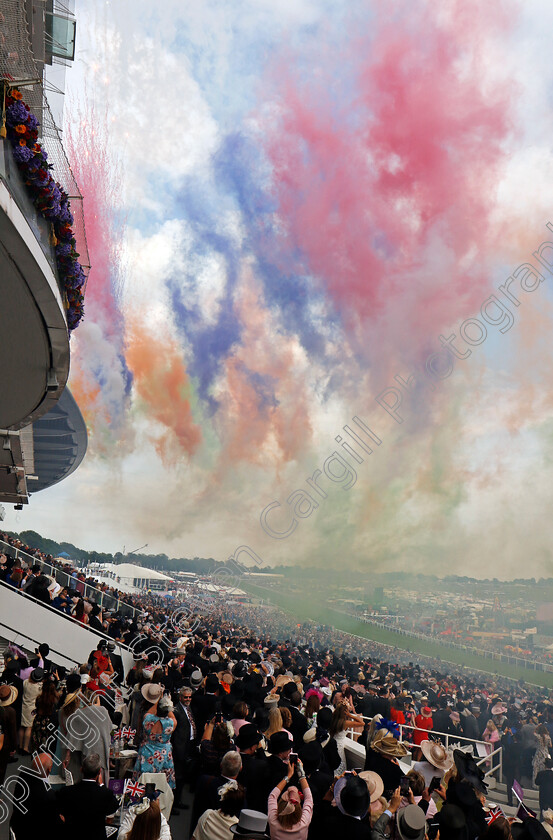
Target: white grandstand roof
column 131, row 570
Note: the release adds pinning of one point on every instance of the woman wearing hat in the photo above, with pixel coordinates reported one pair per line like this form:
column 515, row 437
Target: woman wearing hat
column 382, row 757
column 287, row 816
column 89, row 733
column 424, row 724
column 216, row 824
column 31, row 689
column 155, row 753
column 8, row 695
column 144, row 821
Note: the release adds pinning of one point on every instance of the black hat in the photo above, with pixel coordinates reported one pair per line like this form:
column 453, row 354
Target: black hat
column 248, row 736
column 279, row 742
column 453, row 824
column 352, row 796
column 289, row 688
column 469, row 770
column 311, row 755
column 324, row 718
column 73, row 683
column 240, row 669
column 211, row 683
column 37, row 675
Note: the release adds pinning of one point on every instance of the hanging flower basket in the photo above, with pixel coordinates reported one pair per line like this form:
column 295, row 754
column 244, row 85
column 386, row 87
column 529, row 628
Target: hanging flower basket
column 49, row 198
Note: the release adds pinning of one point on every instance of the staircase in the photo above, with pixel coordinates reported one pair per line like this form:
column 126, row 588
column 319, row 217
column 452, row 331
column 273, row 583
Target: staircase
column 498, row 796
column 27, row 622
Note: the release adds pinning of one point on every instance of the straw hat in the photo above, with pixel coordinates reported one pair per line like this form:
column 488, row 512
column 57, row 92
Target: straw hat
column 8, row 694
column 152, row 692
column 374, row 784
column 437, row 755
column 70, row 697
column 387, row 745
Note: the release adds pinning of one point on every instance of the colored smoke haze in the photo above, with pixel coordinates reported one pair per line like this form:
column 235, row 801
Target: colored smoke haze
column 386, row 192
column 99, row 369
column 314, row 193
column 161, row 385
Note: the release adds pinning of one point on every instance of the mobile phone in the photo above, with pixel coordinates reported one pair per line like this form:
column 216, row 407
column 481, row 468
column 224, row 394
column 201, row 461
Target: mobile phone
column 293, row 758
column 404, row 786
column 435, row 783
column 433, row 828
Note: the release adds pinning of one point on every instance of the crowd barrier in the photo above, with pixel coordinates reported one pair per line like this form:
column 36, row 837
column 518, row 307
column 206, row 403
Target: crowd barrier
column 530, row 664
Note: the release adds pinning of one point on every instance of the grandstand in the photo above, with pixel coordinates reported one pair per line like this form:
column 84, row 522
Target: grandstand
column 42, row 433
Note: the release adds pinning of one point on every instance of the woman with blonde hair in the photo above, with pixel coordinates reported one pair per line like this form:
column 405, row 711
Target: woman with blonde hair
column 275, row 722
column 144, row 822
column 287, row 817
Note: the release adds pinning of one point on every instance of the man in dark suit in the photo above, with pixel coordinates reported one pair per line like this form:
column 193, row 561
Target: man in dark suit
column 206, row 703
column 440, row 719
column 253, row 775
column 184, row 740
column 207, row 791
column 85, row 806
column 37, row 813
column 381, row 705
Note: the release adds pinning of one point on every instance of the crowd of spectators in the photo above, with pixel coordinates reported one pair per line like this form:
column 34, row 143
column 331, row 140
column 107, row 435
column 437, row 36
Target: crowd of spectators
column 250, row 726
column 38, row 580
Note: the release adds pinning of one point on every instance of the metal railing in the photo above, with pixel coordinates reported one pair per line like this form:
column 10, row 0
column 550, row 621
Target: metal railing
column 66, row 616
column 493, row 760
column 66, row 580
column 529, row 664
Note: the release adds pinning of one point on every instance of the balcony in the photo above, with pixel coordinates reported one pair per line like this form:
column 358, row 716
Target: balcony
column 34, row 360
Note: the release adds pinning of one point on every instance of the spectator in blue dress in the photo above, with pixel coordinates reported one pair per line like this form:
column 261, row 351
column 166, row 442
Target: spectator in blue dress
column 155, row 754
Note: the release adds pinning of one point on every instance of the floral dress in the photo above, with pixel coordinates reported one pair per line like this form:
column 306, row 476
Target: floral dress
column 155, row 754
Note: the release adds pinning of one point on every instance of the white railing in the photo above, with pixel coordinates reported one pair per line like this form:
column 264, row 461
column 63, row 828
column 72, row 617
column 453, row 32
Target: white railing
column 492, row 760
column 86, row 590
column 519, row 661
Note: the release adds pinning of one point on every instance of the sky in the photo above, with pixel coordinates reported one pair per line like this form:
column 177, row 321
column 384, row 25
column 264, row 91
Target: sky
column 287, row 204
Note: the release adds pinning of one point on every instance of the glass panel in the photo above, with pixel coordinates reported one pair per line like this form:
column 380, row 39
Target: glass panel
column 60, row 36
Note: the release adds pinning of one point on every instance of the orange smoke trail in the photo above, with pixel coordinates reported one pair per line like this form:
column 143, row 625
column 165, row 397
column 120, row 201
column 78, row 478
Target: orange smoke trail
column 161, row 382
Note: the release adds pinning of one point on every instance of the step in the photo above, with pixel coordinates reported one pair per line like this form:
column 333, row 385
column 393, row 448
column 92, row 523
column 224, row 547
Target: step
column 529, row 793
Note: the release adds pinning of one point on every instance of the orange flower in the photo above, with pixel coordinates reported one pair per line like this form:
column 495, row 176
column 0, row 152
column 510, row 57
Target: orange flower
column 37, row 147
column 17, row 94
column 22, row 142
column 21, row 129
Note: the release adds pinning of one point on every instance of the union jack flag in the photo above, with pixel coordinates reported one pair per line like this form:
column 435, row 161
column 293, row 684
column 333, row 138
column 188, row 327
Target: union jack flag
column 134, row 789
column 127, row 733
column 493, row 814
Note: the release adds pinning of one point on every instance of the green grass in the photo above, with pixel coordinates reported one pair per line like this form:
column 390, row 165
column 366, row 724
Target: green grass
column 305, row 607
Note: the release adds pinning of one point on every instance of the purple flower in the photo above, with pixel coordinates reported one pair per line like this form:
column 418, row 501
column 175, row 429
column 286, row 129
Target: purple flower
column 32, row 121
column 22, row 154
column 63, row 249
column 16, row 113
